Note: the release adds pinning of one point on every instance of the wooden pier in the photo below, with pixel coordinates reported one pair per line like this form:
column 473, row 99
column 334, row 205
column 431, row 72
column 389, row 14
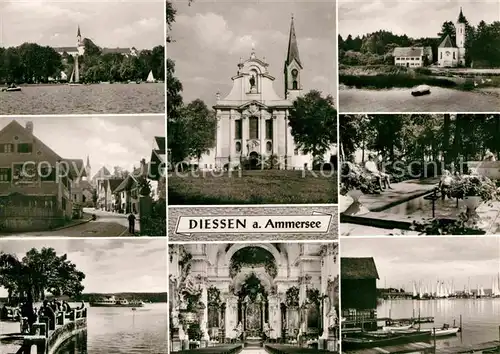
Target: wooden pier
column 417, row 347
column 421, row 319
column 488, row 347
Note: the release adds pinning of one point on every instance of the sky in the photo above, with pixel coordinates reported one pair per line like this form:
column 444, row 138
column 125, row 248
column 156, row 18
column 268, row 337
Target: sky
column 401, row 260
column 108, row 141
column 414, row 18
column 110, row 23
column 110, row 266
column 211, row 37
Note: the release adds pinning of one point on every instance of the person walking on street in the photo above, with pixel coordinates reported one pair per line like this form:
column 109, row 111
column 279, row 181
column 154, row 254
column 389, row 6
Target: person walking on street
column 131, row 223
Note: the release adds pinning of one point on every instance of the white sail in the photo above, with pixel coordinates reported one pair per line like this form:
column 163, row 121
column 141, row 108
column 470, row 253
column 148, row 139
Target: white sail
column 414, row 290
column 77, row 70
column 71, row 79
column 150, row 78
column 481, row 291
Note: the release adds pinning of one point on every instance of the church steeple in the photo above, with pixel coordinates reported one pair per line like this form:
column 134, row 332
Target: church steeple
column 293, row 48
column 461, row 17
column 78, row 33
column 88, row 169
column 293, row 66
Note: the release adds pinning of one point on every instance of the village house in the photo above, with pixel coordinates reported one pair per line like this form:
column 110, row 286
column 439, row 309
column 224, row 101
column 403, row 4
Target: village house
column 106, row 193
column 412, row 57
column 157, row 167
column 35, row 182
column 358, row 277
column 127, row 193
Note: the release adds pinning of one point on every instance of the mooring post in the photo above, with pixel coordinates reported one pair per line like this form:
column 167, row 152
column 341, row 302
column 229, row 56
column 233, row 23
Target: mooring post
column 461, row 324
column 419, row 319
column 434, row 335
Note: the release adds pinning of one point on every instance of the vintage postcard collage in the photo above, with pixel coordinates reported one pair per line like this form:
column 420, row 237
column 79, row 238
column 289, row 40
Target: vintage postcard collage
column 249, row 177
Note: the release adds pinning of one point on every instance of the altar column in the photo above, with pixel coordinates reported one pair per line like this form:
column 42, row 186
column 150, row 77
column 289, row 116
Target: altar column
column 205, row 338
column 275, row 316
column 231, row 315
column 262, row 134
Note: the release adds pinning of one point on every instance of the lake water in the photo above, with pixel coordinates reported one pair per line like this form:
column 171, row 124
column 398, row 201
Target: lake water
column 114, row 330
column 85, row 99
column 480, row 318
column 400, row 100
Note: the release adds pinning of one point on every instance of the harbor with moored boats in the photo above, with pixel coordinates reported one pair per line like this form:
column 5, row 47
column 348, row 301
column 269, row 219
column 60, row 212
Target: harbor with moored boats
column 443, row 306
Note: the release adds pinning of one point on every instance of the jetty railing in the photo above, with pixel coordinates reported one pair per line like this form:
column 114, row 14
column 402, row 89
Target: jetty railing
column 51, row 330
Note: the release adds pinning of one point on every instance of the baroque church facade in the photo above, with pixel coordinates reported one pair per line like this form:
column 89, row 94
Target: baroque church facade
column 254, row 294
column 451, row 53
column 253, row 118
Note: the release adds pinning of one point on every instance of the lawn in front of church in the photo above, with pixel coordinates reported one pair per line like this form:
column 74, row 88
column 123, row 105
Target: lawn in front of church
column 254, row 187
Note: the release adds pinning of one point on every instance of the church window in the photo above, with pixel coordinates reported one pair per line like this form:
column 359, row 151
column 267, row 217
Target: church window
column 441, row 55
column 296, row 151
column 454, row 55
column 295, row 85
column 238, row 146
column 254, row 128
column 269, row 129
column 269, row 146
column 238, row 129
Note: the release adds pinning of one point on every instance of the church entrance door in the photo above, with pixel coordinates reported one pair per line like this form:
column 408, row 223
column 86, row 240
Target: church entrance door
column 254, row 160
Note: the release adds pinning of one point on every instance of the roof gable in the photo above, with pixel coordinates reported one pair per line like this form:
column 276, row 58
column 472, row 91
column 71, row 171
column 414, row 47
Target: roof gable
column 102, row 173
column 408, row 52
column 252, row 103
column 13, row 129
column 358, row 268
column 447, row 42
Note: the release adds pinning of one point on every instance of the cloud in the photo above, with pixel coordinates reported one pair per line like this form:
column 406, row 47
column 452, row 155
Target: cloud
column 109, row 265
column 401, row 260
column 108, row 141
column 210, row 38
column 107, row 23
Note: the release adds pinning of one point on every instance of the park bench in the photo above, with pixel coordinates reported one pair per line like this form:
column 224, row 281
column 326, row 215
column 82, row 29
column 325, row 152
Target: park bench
column 288, row 349
column 219, row 349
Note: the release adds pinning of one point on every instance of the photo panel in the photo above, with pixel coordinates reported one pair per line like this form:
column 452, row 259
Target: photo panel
column 389, row 62
column 82, row 176
column 263, row 297
column 253, row 120
column 419, row 174
column 414, row 295
column 76, row 57
column 249, row 224
column 83, row 296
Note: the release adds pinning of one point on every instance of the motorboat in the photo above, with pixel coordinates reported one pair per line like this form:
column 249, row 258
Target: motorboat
column 421, row 90
column 446, row 330
column 365, row 340
column 11, row 89
column 397, row 327
column 111, row 301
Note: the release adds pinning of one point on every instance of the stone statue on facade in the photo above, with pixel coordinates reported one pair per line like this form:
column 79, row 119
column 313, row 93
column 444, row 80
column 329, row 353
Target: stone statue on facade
column 252, row 82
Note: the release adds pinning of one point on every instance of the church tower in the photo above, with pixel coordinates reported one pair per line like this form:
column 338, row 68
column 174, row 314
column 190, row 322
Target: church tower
column 80, row 46
column 460, row 36
column 88, row 169
column 293, row 67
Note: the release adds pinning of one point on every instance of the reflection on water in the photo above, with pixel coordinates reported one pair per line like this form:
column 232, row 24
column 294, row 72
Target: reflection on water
column 85, row 99
column 76, row 345
column 480, row 317
column 420, row 207
column 400, row 100
column 121, row 330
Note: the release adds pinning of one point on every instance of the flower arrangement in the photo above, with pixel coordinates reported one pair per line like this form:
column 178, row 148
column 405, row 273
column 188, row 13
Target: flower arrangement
column 474, row 186
column 353, row 177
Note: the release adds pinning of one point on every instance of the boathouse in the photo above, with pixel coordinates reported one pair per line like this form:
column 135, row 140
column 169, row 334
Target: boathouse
column 358, row 278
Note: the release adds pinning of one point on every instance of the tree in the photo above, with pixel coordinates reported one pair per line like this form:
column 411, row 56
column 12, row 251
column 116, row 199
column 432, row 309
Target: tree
column 201, row 127
column 94, row 197
column 313, row 120
column 39, row 273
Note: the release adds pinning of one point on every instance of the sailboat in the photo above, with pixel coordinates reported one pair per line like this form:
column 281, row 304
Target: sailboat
column 74, row 80
column 150, row 78
column 495, row 288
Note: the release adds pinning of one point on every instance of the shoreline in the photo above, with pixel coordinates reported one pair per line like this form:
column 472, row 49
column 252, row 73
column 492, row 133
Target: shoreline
column 392, row 77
